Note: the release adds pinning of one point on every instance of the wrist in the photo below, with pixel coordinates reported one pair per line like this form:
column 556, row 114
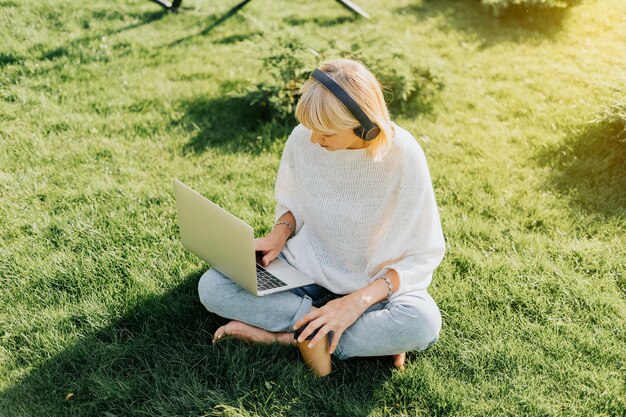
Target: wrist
column 281, row 233
column 365, row 297
column 379, row 290
column 288, row 225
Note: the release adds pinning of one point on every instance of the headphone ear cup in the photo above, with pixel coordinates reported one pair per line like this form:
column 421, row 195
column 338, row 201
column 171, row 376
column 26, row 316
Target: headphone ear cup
column 360, row 132
column 372, row 133
column 369, row 134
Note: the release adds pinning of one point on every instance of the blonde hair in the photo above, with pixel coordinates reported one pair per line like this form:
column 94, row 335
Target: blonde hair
column 319, row 110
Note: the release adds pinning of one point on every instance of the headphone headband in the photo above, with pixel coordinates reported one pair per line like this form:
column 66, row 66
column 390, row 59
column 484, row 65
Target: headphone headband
column 368, row 129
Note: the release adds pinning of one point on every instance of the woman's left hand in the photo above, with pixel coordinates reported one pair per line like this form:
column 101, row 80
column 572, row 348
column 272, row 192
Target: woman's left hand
column 336, row 316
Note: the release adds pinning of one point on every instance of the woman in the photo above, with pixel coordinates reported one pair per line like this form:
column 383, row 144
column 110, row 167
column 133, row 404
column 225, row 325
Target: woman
column 356, row 213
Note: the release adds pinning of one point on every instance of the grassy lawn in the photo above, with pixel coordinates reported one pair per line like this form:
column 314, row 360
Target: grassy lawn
column 102, row 103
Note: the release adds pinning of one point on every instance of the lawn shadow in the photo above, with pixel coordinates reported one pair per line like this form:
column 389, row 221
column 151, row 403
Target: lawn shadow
column 71, row 47
column 240, row 37
column 214, row 22
column 322, row 20
column 118, row 366
column 9, row 59
column 157, row 359
column 590, row 167
column 292, row 20
column 229, row 123
column 68, row 49
column 516, row 24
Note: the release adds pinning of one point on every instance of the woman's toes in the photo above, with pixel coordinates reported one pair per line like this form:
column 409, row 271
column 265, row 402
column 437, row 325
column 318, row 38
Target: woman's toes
column 219, row 333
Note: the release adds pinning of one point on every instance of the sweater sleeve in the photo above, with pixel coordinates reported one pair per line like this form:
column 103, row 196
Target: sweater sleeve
column 414, row 239
column 286, row 189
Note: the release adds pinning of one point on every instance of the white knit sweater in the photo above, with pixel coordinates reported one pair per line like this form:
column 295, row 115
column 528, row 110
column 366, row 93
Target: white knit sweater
column 356, row 218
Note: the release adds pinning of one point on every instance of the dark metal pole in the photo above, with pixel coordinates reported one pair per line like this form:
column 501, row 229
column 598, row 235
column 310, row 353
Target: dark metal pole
column 353, row 7
column 165, row 4
column 176, row 4
column 219, row 21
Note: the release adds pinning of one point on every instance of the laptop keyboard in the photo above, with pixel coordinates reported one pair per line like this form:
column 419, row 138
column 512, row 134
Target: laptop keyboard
column 265, row 280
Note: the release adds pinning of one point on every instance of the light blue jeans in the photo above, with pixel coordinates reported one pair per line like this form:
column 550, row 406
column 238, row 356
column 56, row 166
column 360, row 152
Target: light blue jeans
column 410, row 321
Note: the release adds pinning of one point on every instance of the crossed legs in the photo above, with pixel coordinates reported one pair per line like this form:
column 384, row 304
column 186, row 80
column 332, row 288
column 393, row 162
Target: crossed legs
column 409, row 322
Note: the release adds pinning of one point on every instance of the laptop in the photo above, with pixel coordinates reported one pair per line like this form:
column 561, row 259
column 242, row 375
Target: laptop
column 227, row 244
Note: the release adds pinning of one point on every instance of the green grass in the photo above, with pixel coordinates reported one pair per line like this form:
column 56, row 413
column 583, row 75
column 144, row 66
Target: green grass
column 103, row 103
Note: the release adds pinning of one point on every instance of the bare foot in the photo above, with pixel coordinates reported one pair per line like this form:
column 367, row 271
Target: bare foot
column 398, row 360
column 250, row 333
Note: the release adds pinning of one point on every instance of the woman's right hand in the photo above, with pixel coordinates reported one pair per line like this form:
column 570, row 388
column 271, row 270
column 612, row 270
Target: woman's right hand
column 272, row 244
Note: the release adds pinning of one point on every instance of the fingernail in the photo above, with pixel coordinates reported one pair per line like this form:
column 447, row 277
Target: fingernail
column 310, row 345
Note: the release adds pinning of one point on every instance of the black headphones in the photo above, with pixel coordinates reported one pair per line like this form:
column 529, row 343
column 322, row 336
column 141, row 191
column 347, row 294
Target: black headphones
column 368, row 129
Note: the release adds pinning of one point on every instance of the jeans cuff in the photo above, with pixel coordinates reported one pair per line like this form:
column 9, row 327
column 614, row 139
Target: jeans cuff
column 305, row 307
column 338, row 353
